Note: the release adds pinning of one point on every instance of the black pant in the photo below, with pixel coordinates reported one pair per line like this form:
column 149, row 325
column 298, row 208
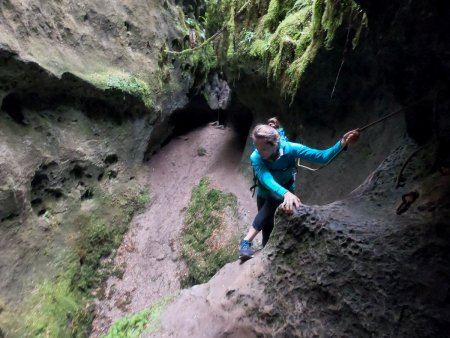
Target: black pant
column 265, row 216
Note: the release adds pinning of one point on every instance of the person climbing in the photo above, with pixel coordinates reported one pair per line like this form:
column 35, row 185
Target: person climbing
column 275, row 123
column 273, row 161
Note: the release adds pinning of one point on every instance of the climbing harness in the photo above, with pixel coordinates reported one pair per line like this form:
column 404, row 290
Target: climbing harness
column 362, row 129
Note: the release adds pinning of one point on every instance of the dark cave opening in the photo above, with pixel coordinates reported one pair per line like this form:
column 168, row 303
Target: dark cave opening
column 197, row 113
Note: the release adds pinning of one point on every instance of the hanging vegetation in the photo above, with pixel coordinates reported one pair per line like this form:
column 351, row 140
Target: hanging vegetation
column 282, row 37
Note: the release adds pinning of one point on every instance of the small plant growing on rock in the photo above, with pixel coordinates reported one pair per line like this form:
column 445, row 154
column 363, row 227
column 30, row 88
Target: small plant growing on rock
column 201, row 151
column 134, row 325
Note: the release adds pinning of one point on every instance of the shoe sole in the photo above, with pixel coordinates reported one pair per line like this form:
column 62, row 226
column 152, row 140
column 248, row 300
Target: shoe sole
column 245, row 258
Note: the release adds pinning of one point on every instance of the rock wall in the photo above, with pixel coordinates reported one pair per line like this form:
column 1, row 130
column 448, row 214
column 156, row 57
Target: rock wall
column 83, row 89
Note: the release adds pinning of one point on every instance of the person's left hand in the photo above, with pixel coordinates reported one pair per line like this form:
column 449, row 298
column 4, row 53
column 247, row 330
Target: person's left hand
column 350, row 137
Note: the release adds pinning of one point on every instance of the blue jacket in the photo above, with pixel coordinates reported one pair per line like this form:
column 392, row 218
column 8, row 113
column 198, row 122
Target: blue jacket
column 277, row 176
column 282, row 134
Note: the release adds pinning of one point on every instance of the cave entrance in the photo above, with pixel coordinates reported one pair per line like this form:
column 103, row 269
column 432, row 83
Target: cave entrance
column 197, row 113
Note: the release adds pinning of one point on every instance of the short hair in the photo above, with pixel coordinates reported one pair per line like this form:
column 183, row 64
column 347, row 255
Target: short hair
column 267, row 133
column 274, row 121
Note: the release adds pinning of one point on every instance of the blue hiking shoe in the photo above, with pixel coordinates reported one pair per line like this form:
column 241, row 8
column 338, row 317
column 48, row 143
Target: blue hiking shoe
column 245, row 249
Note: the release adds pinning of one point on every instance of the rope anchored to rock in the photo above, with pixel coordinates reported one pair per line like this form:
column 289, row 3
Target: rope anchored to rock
column 367, row 126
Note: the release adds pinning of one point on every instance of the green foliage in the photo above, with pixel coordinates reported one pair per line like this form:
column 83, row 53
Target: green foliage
column 204, row 215
column 60, row 307
column 286, row 36
column 296, row 69
column 271, row 18
column 98, row 238
column 190, row 22
column 260, row 47
column 231, row 31
column 139, row 203
column 248, row 37
column 134, row 325
column 199, row 62
column 130, row 326
column 55, row 309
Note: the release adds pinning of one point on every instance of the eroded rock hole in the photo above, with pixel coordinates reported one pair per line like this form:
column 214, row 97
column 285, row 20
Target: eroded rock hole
column 88, row 194
column 39, row 181
column 9, row 218
column 77, row 171
column 36, row 202
column 112, row 174
column 57, row 193
column 111, row 159
column 176, row 45
column 12, row 105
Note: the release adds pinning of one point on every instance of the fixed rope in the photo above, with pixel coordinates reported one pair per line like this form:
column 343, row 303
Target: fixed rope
column 362, row 129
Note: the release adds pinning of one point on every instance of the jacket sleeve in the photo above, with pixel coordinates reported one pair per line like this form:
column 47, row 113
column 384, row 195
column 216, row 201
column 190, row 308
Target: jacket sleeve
column 266, row 178
column 315, row 155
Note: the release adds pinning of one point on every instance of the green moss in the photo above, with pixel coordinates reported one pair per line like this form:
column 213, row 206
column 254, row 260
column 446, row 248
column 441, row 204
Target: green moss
column 271, row 18
column 260, row 47
column 284, row 42
column 144, row 321
column 55, row 308
column 231, row 31
column 60, row 307
column 361, row 26
column 286, row 36
column 199, row 63
column 125, row 82
column 296, row 70
column 101, row 235
column 205, row 214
